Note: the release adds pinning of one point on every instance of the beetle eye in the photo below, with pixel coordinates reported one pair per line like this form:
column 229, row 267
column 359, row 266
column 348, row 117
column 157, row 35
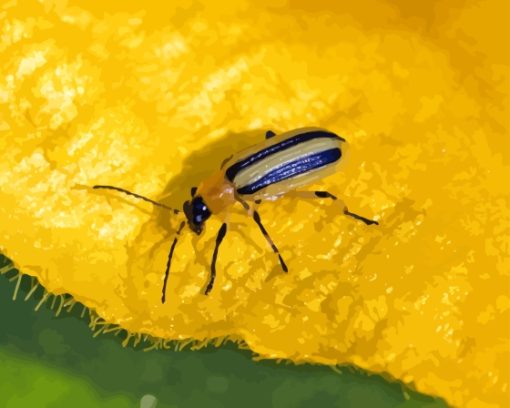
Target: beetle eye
column 200, row 210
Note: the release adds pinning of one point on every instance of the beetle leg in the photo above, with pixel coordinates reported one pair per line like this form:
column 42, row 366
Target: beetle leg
column 326, row 194
column 193, row 191
column 219, row 238
column 270, row 134
column 169, row 261
column 256, row 217
column 245, row 205
column 307, row 195
column 225, row 161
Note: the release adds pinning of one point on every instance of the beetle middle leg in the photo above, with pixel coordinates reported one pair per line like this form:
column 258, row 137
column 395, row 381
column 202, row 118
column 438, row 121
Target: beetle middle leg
column 275, row 249
column 253, row 213
column 326, row 194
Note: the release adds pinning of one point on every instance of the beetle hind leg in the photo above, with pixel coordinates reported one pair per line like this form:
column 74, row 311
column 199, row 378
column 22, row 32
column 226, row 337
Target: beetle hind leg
column 225, row 161
column 359, row 217
column 326, row 194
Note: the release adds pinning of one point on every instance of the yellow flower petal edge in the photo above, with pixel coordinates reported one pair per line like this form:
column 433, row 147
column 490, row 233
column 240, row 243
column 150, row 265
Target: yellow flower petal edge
column 153, row 98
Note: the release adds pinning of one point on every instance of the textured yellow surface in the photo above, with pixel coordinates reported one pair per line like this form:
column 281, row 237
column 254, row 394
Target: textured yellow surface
column 153, row 98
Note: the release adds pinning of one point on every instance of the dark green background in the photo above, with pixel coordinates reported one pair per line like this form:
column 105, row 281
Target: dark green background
column 48, row 361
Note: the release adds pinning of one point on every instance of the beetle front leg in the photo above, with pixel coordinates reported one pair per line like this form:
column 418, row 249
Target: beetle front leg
column 219, row 238
column 169, row 261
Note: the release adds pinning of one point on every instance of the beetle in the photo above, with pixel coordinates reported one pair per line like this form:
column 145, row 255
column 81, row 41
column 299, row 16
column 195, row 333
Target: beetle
column 264, row 172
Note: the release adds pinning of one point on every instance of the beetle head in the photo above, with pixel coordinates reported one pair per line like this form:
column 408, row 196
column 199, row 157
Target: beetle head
column 197, row 213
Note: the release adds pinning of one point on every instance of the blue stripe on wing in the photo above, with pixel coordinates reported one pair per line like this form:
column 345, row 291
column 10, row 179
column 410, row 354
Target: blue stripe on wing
column 292, row 169
column 232, row 171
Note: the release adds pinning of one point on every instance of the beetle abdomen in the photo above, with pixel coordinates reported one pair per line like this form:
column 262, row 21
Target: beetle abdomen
column 295, row 158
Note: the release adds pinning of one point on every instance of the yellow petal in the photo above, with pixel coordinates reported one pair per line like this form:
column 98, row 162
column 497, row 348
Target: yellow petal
column 153, row 98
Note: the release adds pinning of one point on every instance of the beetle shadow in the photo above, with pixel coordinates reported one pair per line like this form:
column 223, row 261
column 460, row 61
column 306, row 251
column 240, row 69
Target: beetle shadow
column 199, row 165
column 202, row 163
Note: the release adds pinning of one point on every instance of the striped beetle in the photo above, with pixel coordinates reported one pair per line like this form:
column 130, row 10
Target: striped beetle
column 266, row 171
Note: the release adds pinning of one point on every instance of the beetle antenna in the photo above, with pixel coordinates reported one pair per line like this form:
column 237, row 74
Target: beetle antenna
column 156, row 203
column 169, row 261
